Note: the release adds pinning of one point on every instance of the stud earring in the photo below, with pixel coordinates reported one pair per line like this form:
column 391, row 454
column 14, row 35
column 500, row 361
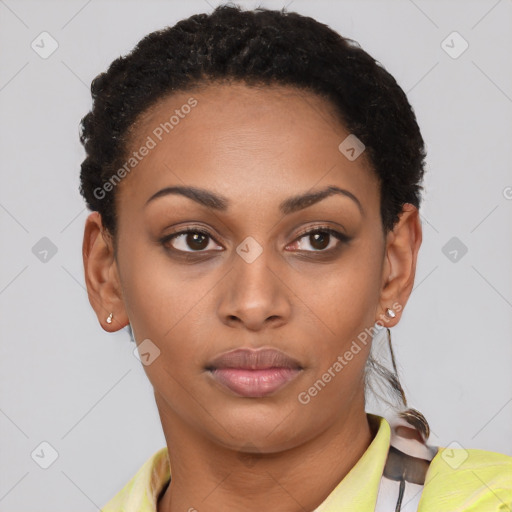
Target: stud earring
column 109, row 319
column 390, row 313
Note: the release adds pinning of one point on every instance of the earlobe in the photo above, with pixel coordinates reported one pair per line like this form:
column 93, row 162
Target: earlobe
column 399, row 269
column 101, row 276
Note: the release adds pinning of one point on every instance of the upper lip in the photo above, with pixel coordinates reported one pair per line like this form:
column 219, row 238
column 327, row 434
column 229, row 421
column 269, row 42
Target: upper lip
column 253, row 359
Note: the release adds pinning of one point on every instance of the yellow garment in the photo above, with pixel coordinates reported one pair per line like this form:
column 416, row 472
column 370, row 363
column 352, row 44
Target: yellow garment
column 480, row 482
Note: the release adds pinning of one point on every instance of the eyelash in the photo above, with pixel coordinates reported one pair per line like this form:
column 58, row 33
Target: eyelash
column 318, row 229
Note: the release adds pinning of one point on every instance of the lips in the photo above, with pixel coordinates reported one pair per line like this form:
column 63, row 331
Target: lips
column 251, row 359
column 253, row 373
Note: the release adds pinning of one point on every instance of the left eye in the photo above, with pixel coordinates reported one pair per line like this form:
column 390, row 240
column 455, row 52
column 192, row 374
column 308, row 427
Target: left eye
column 321, row 239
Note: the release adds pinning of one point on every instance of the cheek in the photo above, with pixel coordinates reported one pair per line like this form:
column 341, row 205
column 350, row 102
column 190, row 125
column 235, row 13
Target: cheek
column 153, row 294
column 344, row 302
column 162, row 302
column 344, row 299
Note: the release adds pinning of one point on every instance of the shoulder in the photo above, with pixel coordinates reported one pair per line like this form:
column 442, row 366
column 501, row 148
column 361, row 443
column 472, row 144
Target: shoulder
column 141, row 492
column 468, row 479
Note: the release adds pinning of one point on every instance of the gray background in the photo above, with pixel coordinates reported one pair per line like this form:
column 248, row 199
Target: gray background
column 67, row 382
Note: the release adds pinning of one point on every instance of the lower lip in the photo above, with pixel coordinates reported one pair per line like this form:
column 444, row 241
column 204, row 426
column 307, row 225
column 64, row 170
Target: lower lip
column 254, row 383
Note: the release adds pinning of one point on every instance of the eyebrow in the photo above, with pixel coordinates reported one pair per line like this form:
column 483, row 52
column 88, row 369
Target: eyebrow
column 218, row 202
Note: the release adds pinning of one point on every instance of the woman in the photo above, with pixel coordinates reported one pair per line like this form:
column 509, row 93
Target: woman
column 255, row 182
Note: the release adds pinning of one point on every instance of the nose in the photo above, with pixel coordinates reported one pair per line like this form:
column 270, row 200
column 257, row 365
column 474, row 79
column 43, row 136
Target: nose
column 254, row 294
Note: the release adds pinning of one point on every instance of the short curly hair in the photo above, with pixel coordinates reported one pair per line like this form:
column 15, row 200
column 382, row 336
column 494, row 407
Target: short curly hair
column 258, row 47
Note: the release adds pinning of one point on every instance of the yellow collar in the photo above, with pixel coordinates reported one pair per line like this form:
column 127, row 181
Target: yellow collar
column 359, row 489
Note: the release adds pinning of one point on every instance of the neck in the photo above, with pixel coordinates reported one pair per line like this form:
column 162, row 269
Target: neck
column 208, row 477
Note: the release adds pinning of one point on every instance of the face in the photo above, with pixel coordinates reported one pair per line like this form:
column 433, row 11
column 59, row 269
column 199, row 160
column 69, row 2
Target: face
column 241, row 262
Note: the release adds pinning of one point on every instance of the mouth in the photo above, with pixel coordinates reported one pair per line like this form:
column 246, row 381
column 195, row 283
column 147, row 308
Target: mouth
column 253, row 373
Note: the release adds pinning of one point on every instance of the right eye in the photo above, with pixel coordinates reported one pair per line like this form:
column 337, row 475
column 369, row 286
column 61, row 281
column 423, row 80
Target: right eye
column 192, row 238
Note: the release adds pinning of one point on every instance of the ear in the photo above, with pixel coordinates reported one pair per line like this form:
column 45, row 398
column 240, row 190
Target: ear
column 399, row 269
column 101, row 275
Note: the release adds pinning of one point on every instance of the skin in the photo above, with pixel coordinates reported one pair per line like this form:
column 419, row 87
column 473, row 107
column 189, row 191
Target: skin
column 256, row 147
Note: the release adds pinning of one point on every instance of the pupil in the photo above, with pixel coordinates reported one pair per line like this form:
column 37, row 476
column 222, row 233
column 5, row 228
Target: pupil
column 192, row 241
column 324, row 240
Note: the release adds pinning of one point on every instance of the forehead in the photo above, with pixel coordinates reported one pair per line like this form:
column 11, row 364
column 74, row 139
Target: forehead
column 238, row 140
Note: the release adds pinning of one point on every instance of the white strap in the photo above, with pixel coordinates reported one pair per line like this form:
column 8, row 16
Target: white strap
column 400, row 486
